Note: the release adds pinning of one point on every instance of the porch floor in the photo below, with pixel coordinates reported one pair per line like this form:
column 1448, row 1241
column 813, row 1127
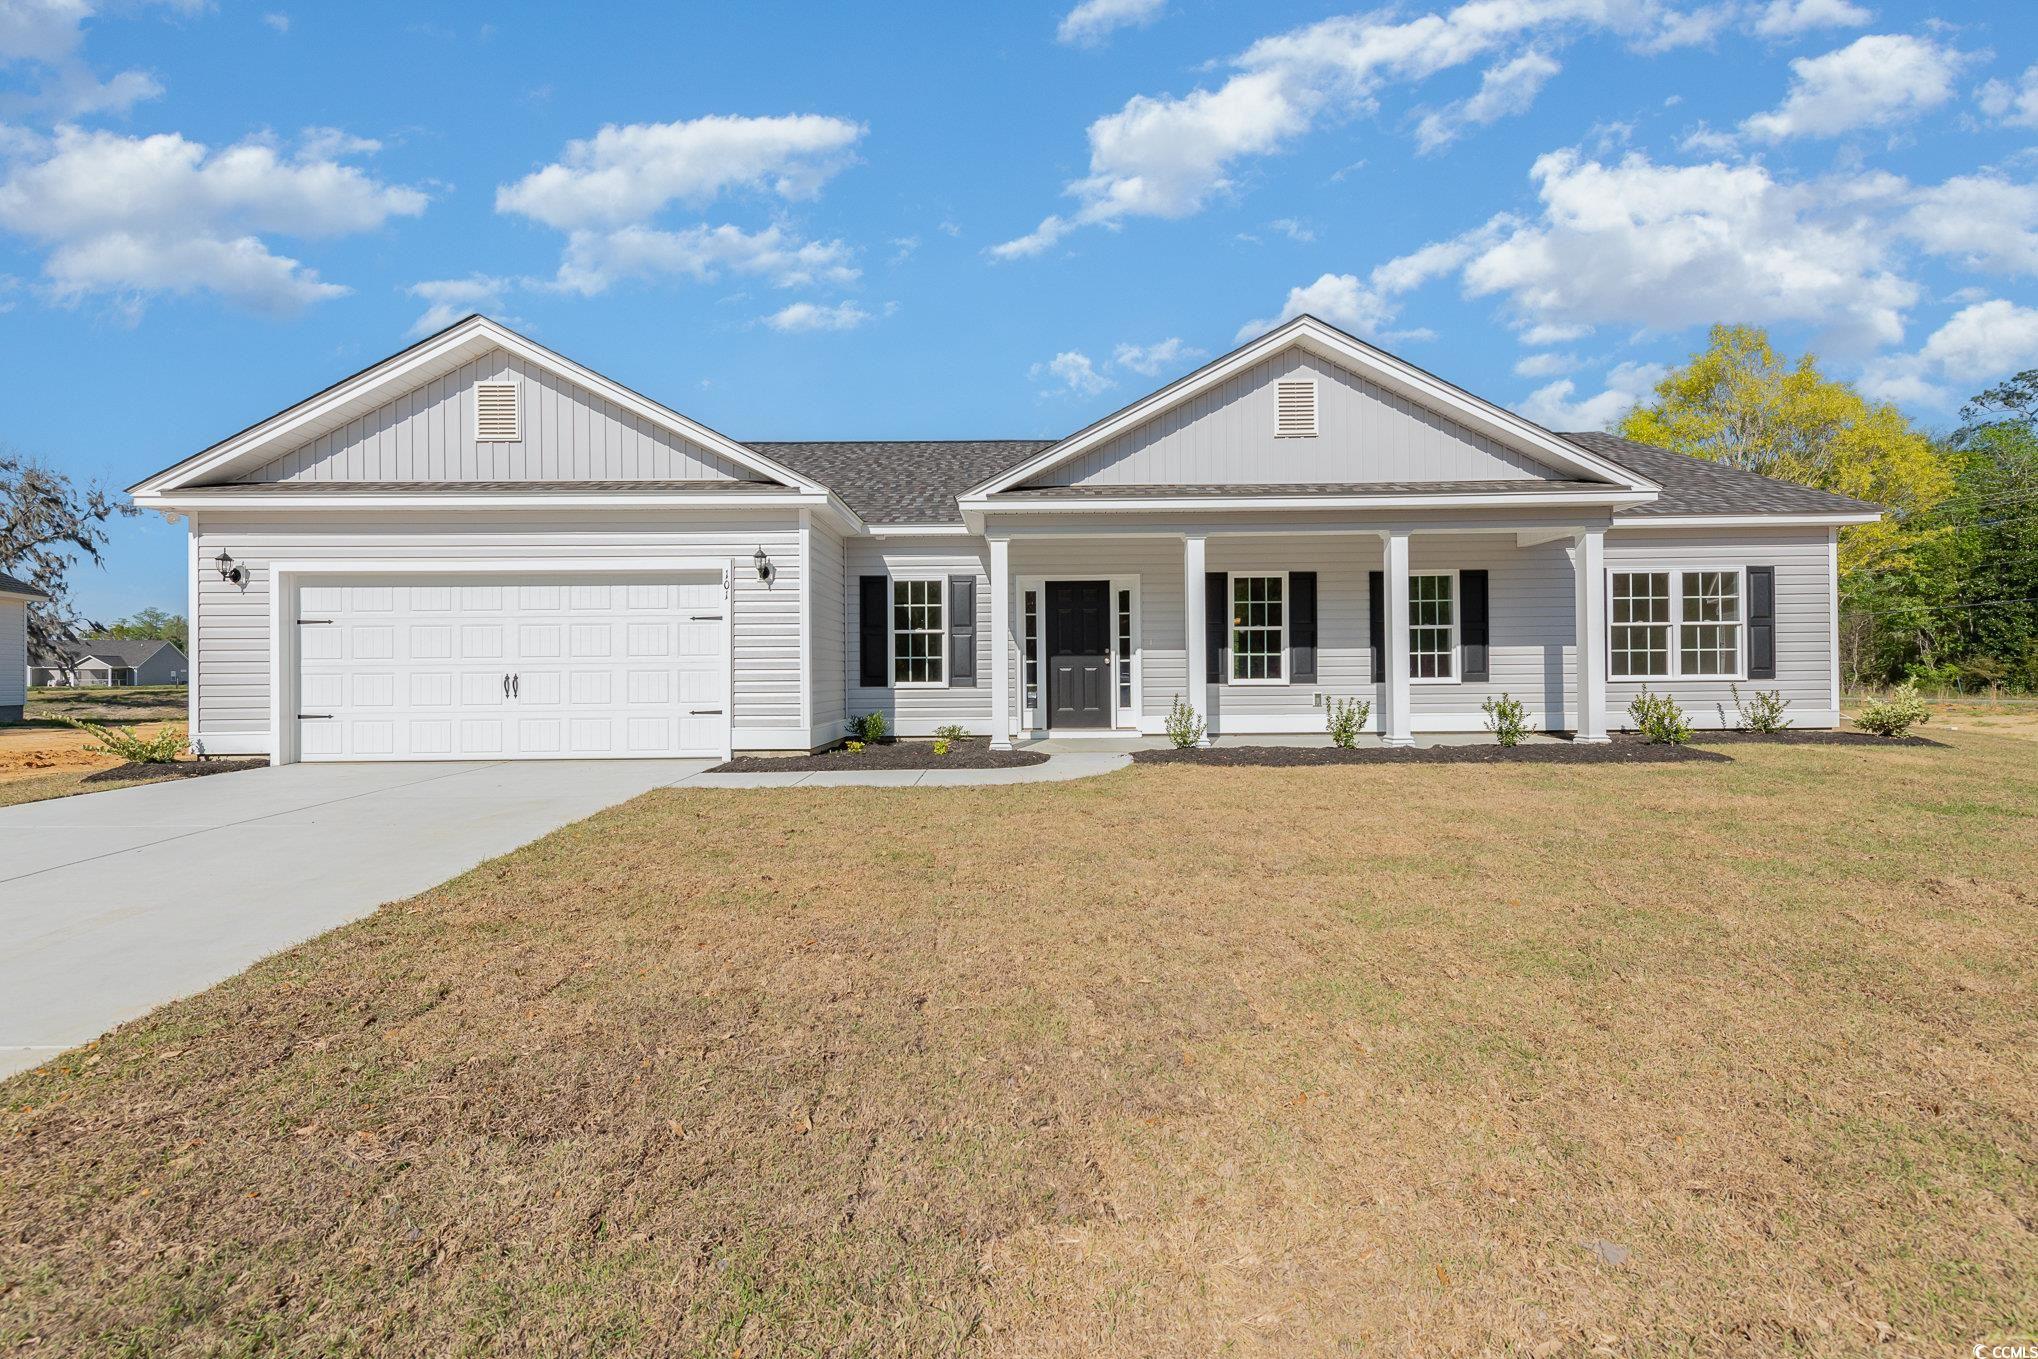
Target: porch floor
column 1116, row 743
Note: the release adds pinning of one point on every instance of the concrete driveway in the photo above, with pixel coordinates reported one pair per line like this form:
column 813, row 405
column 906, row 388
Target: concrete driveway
column 113, row 903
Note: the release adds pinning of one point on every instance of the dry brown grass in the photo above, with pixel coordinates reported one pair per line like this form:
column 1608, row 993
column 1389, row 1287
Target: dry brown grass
column 1176, row 1062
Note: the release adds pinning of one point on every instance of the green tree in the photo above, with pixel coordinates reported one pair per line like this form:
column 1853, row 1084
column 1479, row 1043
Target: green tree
column 151, row 624
column 1740, row 402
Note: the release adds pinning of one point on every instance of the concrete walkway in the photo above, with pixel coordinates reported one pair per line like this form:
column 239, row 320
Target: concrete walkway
column 114, row 903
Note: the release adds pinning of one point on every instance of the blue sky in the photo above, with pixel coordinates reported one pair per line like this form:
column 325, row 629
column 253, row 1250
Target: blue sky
column 941, row 221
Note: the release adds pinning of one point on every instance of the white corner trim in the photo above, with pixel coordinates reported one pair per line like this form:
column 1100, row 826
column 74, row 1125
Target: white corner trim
column 1334, row 345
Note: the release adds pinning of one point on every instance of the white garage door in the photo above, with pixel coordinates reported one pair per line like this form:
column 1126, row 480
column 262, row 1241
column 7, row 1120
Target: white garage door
column 512, row 667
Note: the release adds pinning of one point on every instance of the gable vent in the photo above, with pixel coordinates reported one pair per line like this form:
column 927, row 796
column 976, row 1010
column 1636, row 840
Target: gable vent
column 495, row 413
column 1295, row 416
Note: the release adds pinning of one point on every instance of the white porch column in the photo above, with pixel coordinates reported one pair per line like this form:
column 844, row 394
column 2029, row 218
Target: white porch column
column 1589, row 683
column 1397, row 726
column 1001, row 644
column 1196, row 691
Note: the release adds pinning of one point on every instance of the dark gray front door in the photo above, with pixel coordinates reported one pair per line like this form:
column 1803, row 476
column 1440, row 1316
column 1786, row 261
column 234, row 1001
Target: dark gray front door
column 1079, row 653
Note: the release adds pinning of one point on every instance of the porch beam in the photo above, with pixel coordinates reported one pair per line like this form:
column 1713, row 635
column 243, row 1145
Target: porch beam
column 1001, row 644
column 1399, row 727
column 1589, row 681
column 1196, row 687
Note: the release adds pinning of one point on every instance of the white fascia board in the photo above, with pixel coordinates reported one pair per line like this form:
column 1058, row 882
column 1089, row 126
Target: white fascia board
column 1329, row 343
column 1612, row 497
column 919, row 531
column 197, row 499
column 446, row 350
column 1685, row 521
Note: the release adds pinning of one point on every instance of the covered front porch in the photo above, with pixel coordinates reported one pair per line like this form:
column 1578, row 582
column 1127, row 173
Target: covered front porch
column 1261, row 623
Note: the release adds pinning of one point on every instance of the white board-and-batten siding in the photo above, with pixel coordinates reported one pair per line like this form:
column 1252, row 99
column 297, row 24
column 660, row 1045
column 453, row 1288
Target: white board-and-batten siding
column 233, row 642
column 1226, row 436
column 568, row 434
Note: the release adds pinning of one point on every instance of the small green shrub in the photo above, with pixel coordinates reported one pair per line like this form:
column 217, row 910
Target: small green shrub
column 871, row 728
column 1895, row 715
column 953, row 731
column 1346, row 719
column 1658, row 718
column 941, row 745
column 125, row 743
column 853, row 747
column 1507, row 718
column 1185, row 729
column 1763, row 713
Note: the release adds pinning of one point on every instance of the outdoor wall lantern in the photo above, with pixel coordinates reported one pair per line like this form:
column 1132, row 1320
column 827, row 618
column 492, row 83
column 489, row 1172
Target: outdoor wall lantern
column 229, row 569
column 764, row 566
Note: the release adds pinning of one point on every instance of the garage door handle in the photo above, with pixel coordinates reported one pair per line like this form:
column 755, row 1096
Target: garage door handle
column 516, row 686
column 505, row 686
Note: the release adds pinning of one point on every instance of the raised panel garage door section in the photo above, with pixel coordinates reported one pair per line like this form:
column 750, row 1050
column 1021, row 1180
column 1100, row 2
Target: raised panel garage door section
column 512, row 667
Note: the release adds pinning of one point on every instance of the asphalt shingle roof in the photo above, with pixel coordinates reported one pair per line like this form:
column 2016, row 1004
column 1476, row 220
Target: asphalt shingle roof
column 1701, row 486
column 906, row 481
column 118, row 651
column 10, row 586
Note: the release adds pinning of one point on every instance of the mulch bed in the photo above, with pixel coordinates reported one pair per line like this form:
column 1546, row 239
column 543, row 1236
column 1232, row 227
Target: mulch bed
column 967, row 754
column 183, row 769
column 1794, row 737
column 1620, row 750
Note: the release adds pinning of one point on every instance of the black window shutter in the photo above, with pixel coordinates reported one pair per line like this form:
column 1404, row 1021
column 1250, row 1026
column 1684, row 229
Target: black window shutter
column 1376, row 622
column 873, row 625
column 1761, row 622
column 1302, row 625
column 1472, row 627
column 1216, row 626
column 962, row 632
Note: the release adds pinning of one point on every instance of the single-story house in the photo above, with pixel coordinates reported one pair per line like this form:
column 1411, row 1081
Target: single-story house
column 15, row 597
column 109, row 661
column 480, row 549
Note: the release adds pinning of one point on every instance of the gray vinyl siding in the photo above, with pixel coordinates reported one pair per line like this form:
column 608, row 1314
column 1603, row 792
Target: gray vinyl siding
column 1804, row 612
column 165, row 667
column 1364, row 433
column 1531, row 616
column 232, row 628
column 13, row 653
column 917, row 712
column 570, row 434
column 828, row 614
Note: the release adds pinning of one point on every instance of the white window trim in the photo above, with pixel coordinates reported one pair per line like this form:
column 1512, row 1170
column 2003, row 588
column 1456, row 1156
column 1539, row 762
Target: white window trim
column 1230, row 655
column 1034, row 721
column 1457, row 648
column 892, row 581
column 1677, row 624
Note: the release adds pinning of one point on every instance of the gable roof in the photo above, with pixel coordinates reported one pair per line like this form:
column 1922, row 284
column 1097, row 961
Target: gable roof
column 1376, row 365
column 432, row 357
column 1700, row 486
column 19, row 589
column 124, row 652
column 903, row 481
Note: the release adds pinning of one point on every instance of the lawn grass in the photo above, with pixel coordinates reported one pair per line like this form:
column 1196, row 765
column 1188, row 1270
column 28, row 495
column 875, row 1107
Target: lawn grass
column 108, row 703
column 41, row 757
column 1692, row 1059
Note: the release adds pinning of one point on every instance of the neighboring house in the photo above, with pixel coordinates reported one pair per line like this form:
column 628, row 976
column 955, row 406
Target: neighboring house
column 480, row 549
column 104, row 661
column 15, row 597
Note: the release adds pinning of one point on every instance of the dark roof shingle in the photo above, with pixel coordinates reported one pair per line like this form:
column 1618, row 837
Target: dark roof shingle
column 903, row 481
column 1700, row 486
column 10, row 586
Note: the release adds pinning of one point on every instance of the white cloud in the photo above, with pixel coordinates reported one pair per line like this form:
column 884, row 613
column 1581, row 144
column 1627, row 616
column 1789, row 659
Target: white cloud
column 1548, row 364
column 136, row 216
column 1071, row 373
column 452, row 298
column 808, row 316
column 2012, row 105
column 1504, row 91
column 1552, row 407
column 606, row 191
column 1874, row 81
column 279, row 22
column 1344, row 300
column 626, row 175
column 596, row 261
column 1169, row 156
column 1293, row 229
column 48, row 35
column 1978, row 345
column 1788, row 18
column 1987, row 224
column 1153, row 359
column 1091, row 22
